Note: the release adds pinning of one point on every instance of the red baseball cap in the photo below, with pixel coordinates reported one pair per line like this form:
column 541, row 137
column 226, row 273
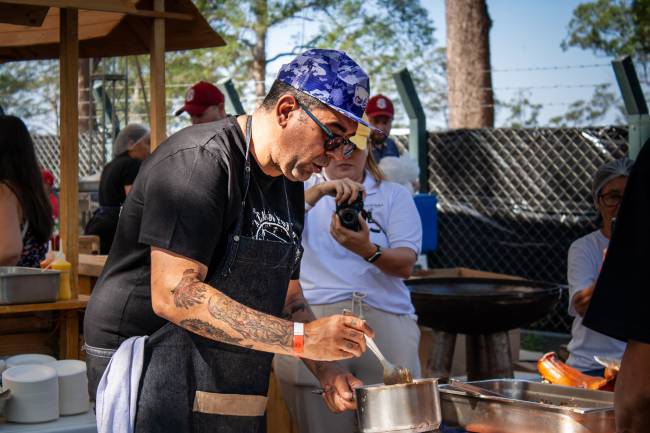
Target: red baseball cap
column 380, row 105
column 199, row 97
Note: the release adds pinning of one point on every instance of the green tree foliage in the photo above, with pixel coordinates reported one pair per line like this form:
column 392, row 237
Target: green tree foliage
column 30, row 90
column 382, row 35
column 592, row 112
column 523, row 113
column 610, row 28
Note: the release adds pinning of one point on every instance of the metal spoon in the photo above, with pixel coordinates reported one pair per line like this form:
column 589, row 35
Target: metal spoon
column 613, row 364
column 393, row 375
column 473, row 390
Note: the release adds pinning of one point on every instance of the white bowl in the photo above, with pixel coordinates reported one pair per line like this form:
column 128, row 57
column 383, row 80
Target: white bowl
column 34, row 393
column 30, row 358
column 73, row 386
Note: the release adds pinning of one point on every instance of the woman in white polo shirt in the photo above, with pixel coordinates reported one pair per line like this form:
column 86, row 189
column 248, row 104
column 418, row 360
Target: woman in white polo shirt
column 584, row 261
column 338, row 262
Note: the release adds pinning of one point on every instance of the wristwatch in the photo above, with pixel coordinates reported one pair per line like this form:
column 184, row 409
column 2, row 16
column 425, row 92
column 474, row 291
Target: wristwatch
column 377, row 254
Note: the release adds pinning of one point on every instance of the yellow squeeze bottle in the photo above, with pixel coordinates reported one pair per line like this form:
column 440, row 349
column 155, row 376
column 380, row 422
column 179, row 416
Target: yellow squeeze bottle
column 64, row 266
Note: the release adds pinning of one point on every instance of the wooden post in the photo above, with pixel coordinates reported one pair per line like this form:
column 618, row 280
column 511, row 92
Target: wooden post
column 69, row 132
column 157, row 106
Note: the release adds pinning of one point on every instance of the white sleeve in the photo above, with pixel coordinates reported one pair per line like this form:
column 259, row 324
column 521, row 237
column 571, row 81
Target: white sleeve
column 404, row 225
column 580, row 271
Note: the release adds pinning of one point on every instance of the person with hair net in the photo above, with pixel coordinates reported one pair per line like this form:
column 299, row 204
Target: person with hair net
column 619, row 305
column 130, row 148
column 584, row 262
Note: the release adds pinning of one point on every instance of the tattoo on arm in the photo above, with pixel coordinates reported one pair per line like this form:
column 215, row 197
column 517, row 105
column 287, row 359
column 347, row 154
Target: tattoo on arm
column 205, row 329
column 252, row 325
column 189, row 291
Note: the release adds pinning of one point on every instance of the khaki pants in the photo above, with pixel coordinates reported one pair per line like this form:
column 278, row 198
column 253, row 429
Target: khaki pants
column 397, row 336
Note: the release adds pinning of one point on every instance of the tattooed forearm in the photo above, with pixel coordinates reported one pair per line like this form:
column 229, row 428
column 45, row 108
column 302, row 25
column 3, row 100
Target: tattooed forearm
column 189, row 291
column 207, row 330
column 251, row 324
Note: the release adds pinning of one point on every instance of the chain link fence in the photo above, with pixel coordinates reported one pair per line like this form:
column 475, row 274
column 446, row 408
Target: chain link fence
column 513, row 200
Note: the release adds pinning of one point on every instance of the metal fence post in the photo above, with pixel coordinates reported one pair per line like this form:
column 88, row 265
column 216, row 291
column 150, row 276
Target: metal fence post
column 233, row 103
column 417, row 123
column 635, row 104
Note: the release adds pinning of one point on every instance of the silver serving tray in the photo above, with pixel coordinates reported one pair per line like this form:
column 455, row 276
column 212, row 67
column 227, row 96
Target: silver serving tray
column 28, row 285
column 530, row 407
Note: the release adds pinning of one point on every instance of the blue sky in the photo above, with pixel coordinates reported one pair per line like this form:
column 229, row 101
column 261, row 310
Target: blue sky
column 525, row 34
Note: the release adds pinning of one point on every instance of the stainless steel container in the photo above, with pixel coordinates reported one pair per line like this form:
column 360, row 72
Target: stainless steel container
column 404, row 408
column 28, row 285
column 529, row 407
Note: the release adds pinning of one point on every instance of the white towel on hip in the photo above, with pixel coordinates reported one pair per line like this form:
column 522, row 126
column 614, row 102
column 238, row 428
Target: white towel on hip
column 117, row 392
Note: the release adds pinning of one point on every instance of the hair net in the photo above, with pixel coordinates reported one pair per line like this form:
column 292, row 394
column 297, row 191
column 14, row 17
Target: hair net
column 403, row 170
column 609, row 171
column 132, row 133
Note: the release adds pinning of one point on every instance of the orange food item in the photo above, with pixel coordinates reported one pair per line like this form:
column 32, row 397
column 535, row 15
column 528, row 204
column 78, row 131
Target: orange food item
column 557, row 372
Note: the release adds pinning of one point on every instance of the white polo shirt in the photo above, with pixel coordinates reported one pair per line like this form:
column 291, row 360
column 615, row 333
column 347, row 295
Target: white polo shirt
column 331, row 273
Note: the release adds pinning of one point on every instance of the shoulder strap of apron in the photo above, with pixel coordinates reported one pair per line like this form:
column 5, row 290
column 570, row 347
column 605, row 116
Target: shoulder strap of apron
column 247, row 177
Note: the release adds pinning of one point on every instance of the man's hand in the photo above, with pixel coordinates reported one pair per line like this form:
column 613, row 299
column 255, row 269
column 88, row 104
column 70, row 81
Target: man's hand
column 338, row 386
column 335, row 337
column 357, row 242
column 582, row 298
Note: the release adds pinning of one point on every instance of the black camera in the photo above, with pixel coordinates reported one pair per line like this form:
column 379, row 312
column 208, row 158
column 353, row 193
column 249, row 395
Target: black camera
column 349, row 213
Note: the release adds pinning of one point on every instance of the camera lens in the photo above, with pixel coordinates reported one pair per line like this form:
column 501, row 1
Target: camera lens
column 348, row 217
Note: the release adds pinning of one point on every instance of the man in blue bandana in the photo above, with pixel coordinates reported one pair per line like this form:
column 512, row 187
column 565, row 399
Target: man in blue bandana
column 206, row 261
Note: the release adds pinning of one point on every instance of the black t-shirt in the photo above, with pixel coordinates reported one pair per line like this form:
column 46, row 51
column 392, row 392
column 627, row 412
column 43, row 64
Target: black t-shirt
column 619, row 305
column 186, row 199
column 117, row 174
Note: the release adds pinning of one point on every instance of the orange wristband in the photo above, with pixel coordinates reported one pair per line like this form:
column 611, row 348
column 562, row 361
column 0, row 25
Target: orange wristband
column 298, row 338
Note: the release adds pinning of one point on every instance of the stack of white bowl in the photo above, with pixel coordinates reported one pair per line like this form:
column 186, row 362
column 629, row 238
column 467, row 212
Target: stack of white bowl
column 34, row 393
column 73, row 386
column 29, row 358
column 43, row 388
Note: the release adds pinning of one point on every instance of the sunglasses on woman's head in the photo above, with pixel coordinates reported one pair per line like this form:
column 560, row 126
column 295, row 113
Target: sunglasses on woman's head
column 332, row 142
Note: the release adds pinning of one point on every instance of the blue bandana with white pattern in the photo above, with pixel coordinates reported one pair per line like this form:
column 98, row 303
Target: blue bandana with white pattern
column 333, row 78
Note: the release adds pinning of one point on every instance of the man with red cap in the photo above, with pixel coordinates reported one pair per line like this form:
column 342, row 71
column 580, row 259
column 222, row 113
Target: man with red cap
column 204, row 103
column 380, row 112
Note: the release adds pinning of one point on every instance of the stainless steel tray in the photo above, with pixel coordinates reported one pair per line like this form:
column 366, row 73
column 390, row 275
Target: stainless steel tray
column 28, row 285
column 530, row 407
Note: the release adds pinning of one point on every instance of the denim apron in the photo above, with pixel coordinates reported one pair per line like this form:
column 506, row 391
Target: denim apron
column 194, row 384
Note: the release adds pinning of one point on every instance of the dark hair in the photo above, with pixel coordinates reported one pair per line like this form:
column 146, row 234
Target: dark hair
column 279, row 89
column 19, row 170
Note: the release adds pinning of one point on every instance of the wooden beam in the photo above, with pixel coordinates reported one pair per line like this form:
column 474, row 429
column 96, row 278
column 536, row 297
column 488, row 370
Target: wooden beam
column 22, row 15
column 122, row 6
column 157, row 104
column 69, row 132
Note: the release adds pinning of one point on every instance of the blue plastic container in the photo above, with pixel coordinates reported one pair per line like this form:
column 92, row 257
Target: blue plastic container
column 427, row 207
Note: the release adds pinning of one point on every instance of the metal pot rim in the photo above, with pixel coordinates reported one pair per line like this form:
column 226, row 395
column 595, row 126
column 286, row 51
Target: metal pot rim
column 377, row 386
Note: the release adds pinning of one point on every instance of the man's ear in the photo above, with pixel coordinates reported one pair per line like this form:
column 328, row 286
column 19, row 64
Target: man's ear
column 283, row 108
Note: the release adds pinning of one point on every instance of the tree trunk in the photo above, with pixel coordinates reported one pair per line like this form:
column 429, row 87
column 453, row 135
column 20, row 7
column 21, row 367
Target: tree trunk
column 259, row 49
column 471, row 101
column 85, row 110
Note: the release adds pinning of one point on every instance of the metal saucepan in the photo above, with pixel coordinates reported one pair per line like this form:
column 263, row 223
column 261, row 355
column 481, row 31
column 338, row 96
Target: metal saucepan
column 404, row 408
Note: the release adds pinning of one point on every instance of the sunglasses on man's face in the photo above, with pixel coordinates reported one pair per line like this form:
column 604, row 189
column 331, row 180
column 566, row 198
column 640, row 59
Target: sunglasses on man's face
column 333, row 142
